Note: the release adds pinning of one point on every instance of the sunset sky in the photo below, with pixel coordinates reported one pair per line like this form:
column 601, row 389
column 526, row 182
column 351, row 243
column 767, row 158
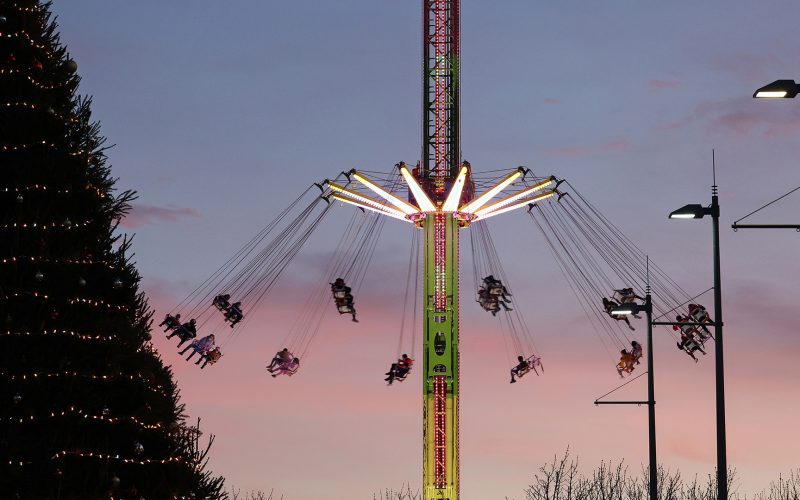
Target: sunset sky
column 223, row 112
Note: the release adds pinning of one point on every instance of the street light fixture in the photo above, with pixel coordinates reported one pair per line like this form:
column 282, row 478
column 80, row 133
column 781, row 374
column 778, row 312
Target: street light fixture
column 691, row 211
column 647, row 308
column 697, row 211
column 778, row 89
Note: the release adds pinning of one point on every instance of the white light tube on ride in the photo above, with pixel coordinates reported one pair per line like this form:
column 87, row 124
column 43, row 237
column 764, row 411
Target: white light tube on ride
column 403, row 206
column 366, row 200
column 425, row 203
column 355, row 203
column 518, row 205
column 481, row 200
column 451, row 203
column 514, row 197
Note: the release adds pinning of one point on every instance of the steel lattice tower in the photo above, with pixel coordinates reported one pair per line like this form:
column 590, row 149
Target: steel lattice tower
column 441, row 153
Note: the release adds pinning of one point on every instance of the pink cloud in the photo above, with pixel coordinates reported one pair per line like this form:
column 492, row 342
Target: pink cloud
column 608, row 147
column 664, row 84
column 141, row 215
column 550, row 100
column 742, row 117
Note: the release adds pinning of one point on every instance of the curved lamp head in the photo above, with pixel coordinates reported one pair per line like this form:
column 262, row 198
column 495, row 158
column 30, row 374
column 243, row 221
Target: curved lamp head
column 691, row 211
column 777, row 89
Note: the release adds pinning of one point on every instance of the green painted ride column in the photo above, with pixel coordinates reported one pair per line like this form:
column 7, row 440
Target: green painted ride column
column 440, row 357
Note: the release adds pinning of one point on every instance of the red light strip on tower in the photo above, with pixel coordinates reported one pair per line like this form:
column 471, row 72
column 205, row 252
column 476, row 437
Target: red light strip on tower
column 440, row 431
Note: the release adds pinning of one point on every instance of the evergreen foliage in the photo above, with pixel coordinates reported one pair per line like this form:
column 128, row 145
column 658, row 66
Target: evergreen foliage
column 87, row 407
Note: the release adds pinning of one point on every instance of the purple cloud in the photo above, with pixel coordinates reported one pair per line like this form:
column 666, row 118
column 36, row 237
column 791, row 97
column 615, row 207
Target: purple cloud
column 550, row 100
column 608, row 147
column 141, row 215
column 664, row 84
column 742, row 117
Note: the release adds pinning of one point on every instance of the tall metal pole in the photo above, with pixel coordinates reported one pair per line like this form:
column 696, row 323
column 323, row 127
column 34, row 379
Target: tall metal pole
column 722, row 454
column 439, row 166
column 651, row 400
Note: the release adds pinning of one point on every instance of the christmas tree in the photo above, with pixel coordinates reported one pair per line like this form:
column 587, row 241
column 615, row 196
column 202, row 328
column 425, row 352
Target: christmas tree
column 87, row 408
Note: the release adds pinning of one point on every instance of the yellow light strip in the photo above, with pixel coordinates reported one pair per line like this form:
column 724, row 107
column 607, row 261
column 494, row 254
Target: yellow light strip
column 512, row 198
column 365, row 200
column 451, row 203
column 518, row 205
column 425, row 203
column 367, row 207
column 403, row 206
column 481, row 200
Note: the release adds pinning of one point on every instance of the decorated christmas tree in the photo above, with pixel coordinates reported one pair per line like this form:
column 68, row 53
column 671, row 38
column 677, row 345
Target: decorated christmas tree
column 87, row 408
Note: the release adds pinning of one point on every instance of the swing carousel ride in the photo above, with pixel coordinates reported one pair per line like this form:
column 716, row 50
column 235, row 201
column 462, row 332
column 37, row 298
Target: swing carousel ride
column 437, row 199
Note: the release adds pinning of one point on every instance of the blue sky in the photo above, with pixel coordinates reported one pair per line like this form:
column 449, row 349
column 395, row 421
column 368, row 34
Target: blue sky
column 223, row 112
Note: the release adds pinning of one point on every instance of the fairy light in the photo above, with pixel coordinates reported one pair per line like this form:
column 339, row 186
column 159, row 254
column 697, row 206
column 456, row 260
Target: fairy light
column 25, row 35
column 96, row 303
column 72, row 411
column 36, row 83
column 32, row 376
column 51, row 225
column 42, row 187
column 33, row 106
column 65, row 333
column 103, row 456
column 23, row 147
column 76, row 300
column 46, row 260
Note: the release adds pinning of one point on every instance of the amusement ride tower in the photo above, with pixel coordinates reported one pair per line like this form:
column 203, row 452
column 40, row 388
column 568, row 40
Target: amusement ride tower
column 440, row 202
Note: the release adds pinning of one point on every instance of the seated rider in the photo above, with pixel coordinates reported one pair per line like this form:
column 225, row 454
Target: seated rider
column 611, row 304
column 399, row 370
column 201, row 346
column 171, row 322
column 523, row 366
column 690, row 345
column 699, row 314
column 210, row 357
column 349, row 306
column 689, row 329
column 339, row 289
column 289, row 368
column 496, row 287
column 282, row 356
column 222, row 302
column 234, row 314
column 186, row 331
column 636, row 351
column 491, row 302
column 625, row 364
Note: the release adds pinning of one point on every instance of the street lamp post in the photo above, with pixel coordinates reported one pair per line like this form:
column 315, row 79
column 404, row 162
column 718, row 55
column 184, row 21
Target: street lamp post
column 696, row 211
column 647, row 308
